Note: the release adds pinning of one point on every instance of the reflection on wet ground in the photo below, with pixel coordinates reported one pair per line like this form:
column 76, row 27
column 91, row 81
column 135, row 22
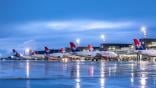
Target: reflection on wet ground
column 86, row 74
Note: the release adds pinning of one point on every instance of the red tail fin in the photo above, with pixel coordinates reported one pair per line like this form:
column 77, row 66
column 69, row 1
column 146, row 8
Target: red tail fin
column 136, row 42
column 72, row 45
column 46, row 49
column 62, row 50
column 90, row 47
column 139, row 45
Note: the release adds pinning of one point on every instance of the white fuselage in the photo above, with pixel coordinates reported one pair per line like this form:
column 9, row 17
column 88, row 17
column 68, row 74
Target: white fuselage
column 108, row 54
column 94, row 53
column 83, row 54
column 148, row 52
column 59, row 55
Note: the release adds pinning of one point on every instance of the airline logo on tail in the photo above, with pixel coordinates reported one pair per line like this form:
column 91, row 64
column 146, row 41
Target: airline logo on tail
column 138, row 45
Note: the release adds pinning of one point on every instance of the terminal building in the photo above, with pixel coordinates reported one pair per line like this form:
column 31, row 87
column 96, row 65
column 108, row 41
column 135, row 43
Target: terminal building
column 124, row 50
column 116, row 46
column 150, row 43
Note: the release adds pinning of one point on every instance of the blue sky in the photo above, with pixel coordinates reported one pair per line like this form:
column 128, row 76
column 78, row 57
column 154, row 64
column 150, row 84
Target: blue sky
column 36, row 23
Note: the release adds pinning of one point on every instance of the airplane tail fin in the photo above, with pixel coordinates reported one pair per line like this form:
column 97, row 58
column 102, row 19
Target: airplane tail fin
column 90, row 47
column 73, row 46
column 46, row 50
column 62, row 50
column 31, row 52
column 138, row 45
column 15, row 53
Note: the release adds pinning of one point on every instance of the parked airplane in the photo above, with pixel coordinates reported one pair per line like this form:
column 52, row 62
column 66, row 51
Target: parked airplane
column 18, row 56
column 29, row 55
column 58, row 54
column 90, row 51
column 140, row 48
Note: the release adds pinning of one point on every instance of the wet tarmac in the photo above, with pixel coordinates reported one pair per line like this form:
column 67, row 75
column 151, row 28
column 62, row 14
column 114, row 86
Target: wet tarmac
column 85, row 74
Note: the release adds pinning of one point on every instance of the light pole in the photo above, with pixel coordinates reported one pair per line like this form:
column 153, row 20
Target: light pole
column 144, row 31
column 103, row 38
column 78, row 41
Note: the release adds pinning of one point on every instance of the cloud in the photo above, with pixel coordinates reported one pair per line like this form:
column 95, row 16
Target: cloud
column 107, row 25
column 76, row 25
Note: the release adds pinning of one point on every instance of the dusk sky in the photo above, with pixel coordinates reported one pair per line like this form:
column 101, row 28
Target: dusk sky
column 54, row 23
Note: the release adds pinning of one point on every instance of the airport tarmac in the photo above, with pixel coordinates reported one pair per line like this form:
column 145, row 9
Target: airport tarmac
column 77, row 74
